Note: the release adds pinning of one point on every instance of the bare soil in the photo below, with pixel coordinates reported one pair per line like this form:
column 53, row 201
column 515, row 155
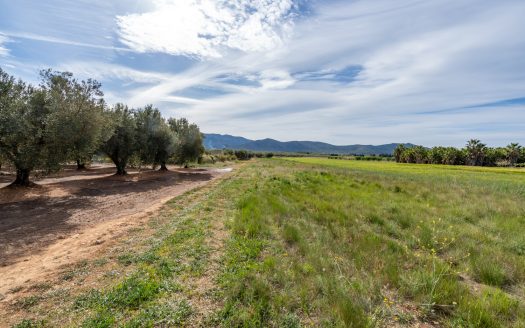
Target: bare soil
column 74, row 214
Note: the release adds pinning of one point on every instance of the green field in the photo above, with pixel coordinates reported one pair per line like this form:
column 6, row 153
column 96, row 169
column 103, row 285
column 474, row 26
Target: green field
column 314, row 242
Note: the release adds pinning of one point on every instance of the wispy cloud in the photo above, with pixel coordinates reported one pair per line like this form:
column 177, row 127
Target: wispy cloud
column 107, row 71
column 371, row 71
column 51, row 39
column 3, row 40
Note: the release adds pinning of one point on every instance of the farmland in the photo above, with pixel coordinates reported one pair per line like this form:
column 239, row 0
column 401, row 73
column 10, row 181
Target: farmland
column 306, row 242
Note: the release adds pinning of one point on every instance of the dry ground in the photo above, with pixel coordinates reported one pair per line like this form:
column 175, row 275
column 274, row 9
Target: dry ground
column 76, row 214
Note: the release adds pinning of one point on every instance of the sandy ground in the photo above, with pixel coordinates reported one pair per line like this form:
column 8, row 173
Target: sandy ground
column 72, row 215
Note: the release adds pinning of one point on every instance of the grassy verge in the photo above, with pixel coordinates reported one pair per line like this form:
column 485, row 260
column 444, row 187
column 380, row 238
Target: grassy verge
column 370, row 244
column 312, row 242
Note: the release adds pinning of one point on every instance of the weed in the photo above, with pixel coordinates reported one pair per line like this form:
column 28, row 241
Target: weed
column 28, row 302
column 161, row 315
column 30, row 323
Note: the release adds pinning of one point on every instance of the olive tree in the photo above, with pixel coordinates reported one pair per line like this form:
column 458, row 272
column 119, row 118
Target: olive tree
column 156, row 141
column 189, row 146
column 82, row 108
column 31, row 134
column 167, row 142
column 122, row 144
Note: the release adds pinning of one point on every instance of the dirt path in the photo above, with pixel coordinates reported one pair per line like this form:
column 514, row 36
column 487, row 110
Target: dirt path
column 63, row 222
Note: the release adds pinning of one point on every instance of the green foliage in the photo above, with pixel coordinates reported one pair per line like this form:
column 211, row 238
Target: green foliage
column 243, row 155
column 513, row 152
column 368, row 158
column 476, row 151
column 65, row 119
column 189, row 146
column 28, row 323
column 28, row 302
column 121, row 146
column 164, row 315
column 82, row 113
column 31, row 135
column 475, row 154
column 155, row 140
column 102, row 319
column 134, row 291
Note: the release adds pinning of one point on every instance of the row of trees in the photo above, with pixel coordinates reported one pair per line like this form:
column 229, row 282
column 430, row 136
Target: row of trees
column 226, row 155
column 64, row 119
column 475, row 153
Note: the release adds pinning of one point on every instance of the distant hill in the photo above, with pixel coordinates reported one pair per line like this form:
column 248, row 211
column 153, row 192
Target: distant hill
column 225, row 141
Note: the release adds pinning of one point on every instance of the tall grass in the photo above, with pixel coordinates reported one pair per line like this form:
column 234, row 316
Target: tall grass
column 354, row 244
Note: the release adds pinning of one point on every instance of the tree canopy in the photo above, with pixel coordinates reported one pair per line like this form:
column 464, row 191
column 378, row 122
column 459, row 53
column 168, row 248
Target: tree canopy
column 31, row 135
column 189, row 146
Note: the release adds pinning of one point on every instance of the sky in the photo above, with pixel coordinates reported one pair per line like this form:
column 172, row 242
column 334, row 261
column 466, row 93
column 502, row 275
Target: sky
column 430, row 72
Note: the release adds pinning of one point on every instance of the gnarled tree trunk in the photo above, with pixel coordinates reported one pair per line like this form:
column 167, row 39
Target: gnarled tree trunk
column 121, row 169
column 22, row 178
column 163, row 167
column 80, row 165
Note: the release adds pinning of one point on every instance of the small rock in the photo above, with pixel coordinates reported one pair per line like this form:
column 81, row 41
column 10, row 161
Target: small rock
column 98, row 242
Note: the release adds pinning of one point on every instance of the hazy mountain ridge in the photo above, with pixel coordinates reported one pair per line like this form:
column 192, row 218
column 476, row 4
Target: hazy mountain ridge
column 225, row 141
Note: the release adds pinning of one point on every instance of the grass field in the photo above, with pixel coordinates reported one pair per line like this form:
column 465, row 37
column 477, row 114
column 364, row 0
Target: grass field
column 312, row 242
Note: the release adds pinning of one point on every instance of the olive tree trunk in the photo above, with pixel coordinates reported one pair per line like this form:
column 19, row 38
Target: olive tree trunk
column 80, row 165
column 121, row 169
column 22, row 178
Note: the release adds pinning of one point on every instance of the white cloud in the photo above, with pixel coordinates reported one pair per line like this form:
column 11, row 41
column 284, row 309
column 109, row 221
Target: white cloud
column 3, row 51
column 449, row 56
column 45, row 38
column 105, row 71
column 276, row 79
column 207, row 28
column 419, row 64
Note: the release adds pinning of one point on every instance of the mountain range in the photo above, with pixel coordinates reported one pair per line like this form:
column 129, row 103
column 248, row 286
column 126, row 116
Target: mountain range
column 225, row 141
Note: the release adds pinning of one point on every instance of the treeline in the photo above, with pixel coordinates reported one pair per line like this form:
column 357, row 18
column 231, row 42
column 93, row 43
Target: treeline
column 475, row 153
column 225, row 155
column 66, row 120
column 360, row 157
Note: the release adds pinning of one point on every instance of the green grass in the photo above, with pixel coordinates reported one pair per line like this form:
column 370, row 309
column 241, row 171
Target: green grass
column 359, row 244
column 320, row 243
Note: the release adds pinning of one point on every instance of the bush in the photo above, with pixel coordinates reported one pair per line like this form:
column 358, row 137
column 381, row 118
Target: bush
column 243, row 155
column 207, row 159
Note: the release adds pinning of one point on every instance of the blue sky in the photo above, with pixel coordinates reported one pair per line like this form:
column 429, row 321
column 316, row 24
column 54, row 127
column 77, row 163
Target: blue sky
column 342, row 71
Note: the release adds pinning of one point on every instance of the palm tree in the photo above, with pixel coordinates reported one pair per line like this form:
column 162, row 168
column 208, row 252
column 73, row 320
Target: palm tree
column 513, row 153
column 399, row 152
column 475, row 152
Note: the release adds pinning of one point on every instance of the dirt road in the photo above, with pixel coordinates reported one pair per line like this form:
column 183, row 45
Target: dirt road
column 73, row 215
